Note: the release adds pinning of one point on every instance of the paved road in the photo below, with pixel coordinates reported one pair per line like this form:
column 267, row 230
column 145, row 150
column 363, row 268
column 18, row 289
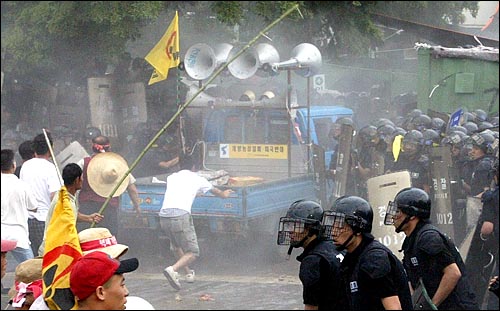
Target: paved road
column 235, row 280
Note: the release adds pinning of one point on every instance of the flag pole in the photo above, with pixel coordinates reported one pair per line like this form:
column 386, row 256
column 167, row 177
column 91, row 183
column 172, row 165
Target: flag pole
column 182, row 107
column 47, row 140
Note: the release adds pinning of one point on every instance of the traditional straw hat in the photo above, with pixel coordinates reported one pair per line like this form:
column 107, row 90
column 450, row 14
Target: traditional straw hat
column 105, row 171
column 100, row 239
column 29, row 270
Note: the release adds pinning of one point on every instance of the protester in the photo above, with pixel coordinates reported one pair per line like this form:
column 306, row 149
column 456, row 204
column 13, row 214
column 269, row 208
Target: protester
column 98, row 283
column 26, row 152
column 430, row 257
column 41, row 175
column 319, row 262
column 176, row 220
column 17, row 201
column 101, row 173
column 372, row 276
column 72, row 176
column 28, row 284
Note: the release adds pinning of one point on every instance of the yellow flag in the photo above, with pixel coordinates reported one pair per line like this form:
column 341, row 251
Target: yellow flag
column 396, row 146
column 62, row 250
column 165, row 54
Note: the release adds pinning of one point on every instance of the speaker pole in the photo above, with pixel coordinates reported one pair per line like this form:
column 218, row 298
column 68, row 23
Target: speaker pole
column 309, row 124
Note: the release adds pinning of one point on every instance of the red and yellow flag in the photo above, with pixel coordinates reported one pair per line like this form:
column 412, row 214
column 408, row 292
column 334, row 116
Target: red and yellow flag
column 62, row 250
column 165, row 54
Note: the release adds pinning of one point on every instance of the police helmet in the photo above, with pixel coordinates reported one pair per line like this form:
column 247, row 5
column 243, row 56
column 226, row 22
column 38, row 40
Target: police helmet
column 430, row 137
column 385, row 130
column 310, row 212
column 468, row 117
column 484, row 125
column 357, row 211
column 399, row 131
column 92, row 132
column 438, row 124
column 414, row 202
column 494, row 121
column 471, row 127
column 382, row 121
column 368, row 133
column 344, row 120
column 413, row 137
column 458, row 128
column 422, row 122
column 415, row 113
column 480, row 115
column 482, row 140
column 454, row 139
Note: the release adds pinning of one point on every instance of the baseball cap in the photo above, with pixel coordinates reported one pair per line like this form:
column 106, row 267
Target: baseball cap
column 8, row 245
column 100, row 239
column 94, row 269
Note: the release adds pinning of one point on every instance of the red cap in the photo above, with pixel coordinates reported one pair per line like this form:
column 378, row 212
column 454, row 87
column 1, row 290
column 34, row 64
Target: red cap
column 8, row 245
column 95, row 269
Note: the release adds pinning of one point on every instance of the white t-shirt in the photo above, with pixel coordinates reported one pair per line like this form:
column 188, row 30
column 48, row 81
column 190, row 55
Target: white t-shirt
column 43, row 179
column 17, row 200
column 182, row 188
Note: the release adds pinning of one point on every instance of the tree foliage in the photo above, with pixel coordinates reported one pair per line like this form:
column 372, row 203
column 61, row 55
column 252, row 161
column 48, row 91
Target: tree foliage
column 54, row 38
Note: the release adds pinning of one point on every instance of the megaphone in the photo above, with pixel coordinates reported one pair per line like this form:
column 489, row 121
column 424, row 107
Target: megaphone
column 245, row 65
column 267, row 55
column 200, row 61
column 305, row 59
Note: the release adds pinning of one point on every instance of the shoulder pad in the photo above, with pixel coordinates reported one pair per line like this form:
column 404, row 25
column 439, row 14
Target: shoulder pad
column 430, row 242
column 375, row 263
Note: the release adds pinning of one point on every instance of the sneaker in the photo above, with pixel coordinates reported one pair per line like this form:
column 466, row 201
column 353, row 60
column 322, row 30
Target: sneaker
column 172, row 277
column 190, row 277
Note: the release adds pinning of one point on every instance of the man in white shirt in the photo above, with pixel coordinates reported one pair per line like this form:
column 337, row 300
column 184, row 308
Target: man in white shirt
column 41, row 175
column 17, row 200
column 176, row 220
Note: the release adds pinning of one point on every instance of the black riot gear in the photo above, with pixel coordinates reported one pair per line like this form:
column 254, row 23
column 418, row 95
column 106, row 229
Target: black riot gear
column 471, row 127
column 438, row 124
column 357, row 212
column 482, row 140
column 414, row 202
column 301, row 215
column 431, row 137
column 480, row 115
column 422, row 122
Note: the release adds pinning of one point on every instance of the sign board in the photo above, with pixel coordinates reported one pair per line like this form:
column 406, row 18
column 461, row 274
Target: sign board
column 319, row 82
column 73, row 153
column 253, row 151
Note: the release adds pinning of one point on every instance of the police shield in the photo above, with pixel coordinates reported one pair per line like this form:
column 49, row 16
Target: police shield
column 343, row 161
column 381, row 190
column 441, row 212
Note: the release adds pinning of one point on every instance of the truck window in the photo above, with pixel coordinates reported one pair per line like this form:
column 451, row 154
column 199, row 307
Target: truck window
column 233, row 130
column 278, row 130
column 255, row 128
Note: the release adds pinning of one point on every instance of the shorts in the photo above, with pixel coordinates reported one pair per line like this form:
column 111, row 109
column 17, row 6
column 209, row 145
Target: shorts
column 180, row 230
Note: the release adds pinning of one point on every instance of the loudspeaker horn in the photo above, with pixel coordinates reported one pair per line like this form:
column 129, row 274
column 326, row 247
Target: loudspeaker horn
column 245, row 65
column 305, row 59
column 200, row 61
column 267, row 55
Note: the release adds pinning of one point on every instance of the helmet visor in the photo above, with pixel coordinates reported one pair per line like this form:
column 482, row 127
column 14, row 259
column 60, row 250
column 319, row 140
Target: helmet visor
column 333, row 224
column 390, row 213
column 290, row 230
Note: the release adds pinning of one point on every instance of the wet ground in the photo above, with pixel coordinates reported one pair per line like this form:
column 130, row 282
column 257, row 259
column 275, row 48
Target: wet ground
column 228, row 277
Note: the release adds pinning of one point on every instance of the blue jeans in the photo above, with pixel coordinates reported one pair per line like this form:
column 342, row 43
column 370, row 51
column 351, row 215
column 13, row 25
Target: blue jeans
column 22, row 254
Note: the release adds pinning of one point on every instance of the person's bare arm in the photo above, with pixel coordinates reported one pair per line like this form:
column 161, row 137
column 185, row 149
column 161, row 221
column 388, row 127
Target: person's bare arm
column 220, row 193
column 451, row 275
column 94, row 217
column 170, row 163
column 134, row 197
column 391, row 303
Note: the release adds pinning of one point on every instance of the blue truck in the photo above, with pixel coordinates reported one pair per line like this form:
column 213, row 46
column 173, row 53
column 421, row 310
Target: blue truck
column 260, row 150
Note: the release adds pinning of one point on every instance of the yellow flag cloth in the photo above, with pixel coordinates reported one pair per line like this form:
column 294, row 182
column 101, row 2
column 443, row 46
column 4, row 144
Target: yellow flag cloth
column 396, row 146
column 165, row 54
column 62, row 250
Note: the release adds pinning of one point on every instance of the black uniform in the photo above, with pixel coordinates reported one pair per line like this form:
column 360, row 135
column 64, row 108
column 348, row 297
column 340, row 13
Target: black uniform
column 320, row 276
column 417, row 165
column 427, row 252
column 371, row 273
column 481, row 175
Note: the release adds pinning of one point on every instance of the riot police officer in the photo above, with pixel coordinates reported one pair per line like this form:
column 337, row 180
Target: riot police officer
column 430, row 257
column 319, row 262
column 414, row 160
column 482, row 161
column 372, row 276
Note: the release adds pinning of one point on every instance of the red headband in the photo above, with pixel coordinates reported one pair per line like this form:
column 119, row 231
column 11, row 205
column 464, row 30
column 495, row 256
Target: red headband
column 100, row 243
column 23, row 289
